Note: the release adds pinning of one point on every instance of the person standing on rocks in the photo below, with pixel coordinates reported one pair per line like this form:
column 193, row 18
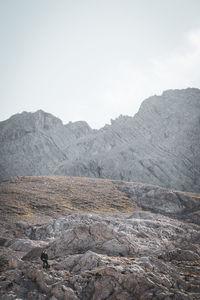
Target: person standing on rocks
column 44, row 258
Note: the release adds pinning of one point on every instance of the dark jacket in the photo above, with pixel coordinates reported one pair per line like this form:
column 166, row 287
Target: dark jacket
column 44, row 256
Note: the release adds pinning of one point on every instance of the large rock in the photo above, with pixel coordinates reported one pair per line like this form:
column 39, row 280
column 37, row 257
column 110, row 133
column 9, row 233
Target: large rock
column 96, row 237
column 123, row 256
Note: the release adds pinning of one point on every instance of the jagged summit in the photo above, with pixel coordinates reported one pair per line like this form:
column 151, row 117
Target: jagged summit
column 183, row 92
column 79, row 128
column 159, row 145
column 27, row 122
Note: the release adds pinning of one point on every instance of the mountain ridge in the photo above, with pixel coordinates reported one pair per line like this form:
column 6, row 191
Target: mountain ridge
column 159, row 145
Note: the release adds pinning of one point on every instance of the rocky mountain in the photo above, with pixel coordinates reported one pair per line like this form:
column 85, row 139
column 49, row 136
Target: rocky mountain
column 105, row 239
column 160, row 145
column 34, row 143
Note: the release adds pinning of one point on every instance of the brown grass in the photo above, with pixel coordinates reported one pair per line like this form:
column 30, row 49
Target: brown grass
column 58, row 195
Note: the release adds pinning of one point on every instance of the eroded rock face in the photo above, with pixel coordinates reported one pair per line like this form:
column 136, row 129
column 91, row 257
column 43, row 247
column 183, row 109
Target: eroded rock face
column 96, row 237
column 159, row 145
column 162, row 200
column 35, row 143
column 138, row 255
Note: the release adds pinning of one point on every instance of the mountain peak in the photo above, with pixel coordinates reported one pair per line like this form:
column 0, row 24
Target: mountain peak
column 79, row 128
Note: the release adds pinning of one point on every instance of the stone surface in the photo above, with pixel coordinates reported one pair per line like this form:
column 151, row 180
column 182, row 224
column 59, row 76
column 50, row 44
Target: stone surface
column 115, row 255
column 106, row 240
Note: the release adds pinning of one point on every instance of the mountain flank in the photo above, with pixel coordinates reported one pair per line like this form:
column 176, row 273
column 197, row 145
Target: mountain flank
column 159, row 145
column 105, row 239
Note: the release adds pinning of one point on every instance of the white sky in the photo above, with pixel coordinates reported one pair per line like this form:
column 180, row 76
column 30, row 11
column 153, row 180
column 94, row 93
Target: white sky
column 94, row 60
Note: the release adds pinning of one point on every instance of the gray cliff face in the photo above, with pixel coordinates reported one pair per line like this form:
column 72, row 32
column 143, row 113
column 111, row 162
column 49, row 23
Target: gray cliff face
column 34, row 143
column 159, row 145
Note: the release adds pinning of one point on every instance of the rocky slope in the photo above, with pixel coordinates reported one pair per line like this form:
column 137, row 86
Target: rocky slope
column 159, row 145
column 106, row 239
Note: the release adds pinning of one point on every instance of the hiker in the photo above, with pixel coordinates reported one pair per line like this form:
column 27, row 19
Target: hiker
column 44, row 258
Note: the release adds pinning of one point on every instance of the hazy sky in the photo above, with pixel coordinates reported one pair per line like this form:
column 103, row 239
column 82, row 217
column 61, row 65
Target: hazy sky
column 94, row 60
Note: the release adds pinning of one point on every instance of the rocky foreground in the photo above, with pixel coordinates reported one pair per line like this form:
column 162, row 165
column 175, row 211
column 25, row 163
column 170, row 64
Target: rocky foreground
column 105, row 240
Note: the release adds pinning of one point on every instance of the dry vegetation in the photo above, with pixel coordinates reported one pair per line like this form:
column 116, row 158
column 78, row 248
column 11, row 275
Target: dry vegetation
column 32, row 196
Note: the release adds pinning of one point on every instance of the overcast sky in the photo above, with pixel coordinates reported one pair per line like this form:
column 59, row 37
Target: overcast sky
column 94, row 60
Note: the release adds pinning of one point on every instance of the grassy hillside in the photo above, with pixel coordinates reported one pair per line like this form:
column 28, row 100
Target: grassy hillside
column 33, row 196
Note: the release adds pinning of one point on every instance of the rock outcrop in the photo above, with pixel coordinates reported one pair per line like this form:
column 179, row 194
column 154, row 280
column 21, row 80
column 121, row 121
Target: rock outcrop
column 105, row 239
column 117, row 257
column 159, row 145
